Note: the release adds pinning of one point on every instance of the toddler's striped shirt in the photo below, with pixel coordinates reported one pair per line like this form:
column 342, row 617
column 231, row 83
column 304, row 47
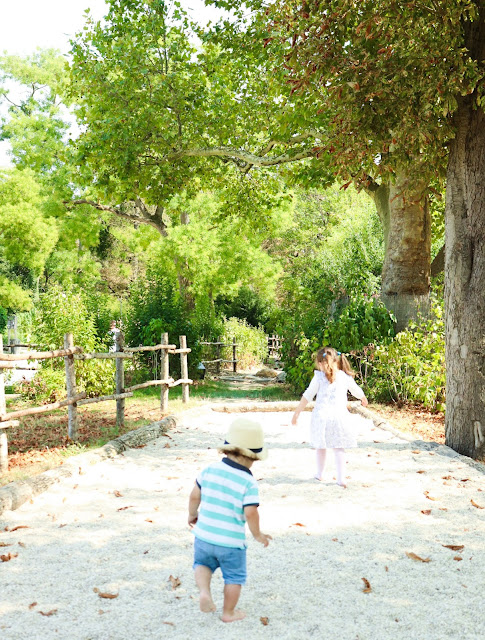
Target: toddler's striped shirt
column 226, row 487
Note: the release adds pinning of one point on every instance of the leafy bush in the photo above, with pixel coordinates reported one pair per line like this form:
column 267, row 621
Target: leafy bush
column 58, row 312
column 248, row 305
column 411, row 367
column 252, row 345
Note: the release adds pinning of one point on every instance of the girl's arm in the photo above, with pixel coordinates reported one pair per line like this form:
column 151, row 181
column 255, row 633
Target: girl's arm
column 356, row 391
column 299, row 409
column 194, row 502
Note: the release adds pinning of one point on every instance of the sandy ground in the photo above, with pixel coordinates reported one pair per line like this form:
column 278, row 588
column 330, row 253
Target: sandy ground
column 120, row 529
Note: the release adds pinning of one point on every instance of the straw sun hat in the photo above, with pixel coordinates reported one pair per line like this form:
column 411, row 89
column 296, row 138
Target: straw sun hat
column 246, row 437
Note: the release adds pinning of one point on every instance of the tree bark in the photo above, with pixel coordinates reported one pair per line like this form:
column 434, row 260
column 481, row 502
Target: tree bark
column 465, row 281
column 404, row 213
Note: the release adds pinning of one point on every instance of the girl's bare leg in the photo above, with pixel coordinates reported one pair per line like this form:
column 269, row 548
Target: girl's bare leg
column 231, row 597
column 340, row 464
column 321, row 455
column 203, row 577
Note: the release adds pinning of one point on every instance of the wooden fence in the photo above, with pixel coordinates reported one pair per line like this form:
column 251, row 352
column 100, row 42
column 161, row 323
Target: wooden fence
column 71, row 353
column 274, row 346
column 218, row 360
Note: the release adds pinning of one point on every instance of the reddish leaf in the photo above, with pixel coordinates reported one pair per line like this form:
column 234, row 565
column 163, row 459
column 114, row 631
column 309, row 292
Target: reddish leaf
column 48, row 613
column 414, row 556
column 476, row 505
column 458, row 558
column 426, row 493
column 128, row 507
column 426, row 512
column 32, row 605
column 454, row 547
column 421, row 471
column 367, row 588
column 176, row 582
column 264, row 620
column 4, row 544
column 298, row 524
column 20, row 526
column 8, row 557
column 118, row 494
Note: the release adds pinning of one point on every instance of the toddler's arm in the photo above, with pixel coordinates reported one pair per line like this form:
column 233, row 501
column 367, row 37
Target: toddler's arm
column 194, row 502
column 252, row 518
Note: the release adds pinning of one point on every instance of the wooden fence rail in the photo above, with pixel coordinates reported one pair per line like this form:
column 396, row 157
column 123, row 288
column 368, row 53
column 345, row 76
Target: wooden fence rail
column 218, row 360
column 71, row 354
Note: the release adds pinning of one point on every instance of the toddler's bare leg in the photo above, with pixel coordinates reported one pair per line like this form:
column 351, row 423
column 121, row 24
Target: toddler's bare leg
column 231, row 597
column 203, row 577
column 321, row 455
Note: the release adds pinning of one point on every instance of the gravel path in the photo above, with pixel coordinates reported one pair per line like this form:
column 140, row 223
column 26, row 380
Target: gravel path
column 120, row 529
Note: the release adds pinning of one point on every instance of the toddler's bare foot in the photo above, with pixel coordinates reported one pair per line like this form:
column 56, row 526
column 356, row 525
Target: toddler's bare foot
column 317, row 477
column 341, row 484
column 237, row 614
column 206, row 603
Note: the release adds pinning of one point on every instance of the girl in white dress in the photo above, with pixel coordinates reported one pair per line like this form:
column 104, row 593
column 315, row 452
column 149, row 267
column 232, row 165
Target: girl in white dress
column 331, row 422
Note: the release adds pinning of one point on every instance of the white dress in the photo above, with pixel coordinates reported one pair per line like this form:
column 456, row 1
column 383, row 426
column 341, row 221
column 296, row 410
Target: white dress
column 332, row 425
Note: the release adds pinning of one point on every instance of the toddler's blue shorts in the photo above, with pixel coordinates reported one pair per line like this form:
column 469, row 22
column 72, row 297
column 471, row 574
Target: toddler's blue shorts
column 231, row 561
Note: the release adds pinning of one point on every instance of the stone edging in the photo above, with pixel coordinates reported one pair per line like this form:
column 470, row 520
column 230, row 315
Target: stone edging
column 15, row 494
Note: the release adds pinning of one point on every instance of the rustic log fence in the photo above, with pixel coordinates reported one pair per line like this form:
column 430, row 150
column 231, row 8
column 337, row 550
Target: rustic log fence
column 274, row 346
column 71, row 354
column 219, row 344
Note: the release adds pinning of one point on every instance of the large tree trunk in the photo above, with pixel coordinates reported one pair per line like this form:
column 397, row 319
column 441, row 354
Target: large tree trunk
column 405, row 217
column 465, row 273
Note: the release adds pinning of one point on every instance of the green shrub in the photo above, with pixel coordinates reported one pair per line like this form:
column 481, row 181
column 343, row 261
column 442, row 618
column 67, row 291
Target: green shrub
column 411, row 367
column 58, row 312
column 252, row 344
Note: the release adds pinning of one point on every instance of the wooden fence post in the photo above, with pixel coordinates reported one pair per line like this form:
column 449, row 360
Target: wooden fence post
column 218, row 355
column 234, row 361
column 164, row 373
column 3, row 410
column 184, row 368
column 71, row 387
column 120, row 381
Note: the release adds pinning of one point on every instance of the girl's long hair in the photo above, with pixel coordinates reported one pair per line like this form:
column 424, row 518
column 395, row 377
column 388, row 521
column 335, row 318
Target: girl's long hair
column 330, row 361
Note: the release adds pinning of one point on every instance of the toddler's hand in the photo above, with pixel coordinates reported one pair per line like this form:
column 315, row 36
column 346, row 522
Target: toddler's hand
column 264, row 539
column 364, row 402
column 294, row 420
column 193, row 520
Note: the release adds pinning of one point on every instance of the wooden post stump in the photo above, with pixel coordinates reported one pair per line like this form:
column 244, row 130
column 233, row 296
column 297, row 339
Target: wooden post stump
column 120, row 381
column 234, row 360
column 218, row 355
column 184, row 368
column 164, row 373
column 71, row 387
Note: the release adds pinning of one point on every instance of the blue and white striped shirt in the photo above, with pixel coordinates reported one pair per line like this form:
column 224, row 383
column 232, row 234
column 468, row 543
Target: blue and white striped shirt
column 226, row 488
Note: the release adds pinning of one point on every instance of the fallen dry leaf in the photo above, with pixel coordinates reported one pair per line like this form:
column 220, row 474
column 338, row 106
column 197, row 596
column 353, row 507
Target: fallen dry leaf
column 334, row 539
column 20, row 526
column 386, row 568
column 476, row 505
column 117, row 494
column 48, row 613
column 426, row 493
column 148, row 520
column 443, row 509
column 414, row 556
column 415, row 451
column 32, row 605
column 166, row 446
column 298, row 524
column 8, row 557
column 426, row 512
column 367, row 588
column 75, row 486
column 172, row 624
column 421, row 471
column 264, row 620
column 176, row 582
column 454, row 547
column 446, row 477
column 123, row 508
column 4, row 544
column 458, row 558
column 106, row 595
column 22, row 544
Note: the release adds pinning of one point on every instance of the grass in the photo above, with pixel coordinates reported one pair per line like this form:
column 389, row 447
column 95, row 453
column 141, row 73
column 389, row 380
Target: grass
column 40, row 442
